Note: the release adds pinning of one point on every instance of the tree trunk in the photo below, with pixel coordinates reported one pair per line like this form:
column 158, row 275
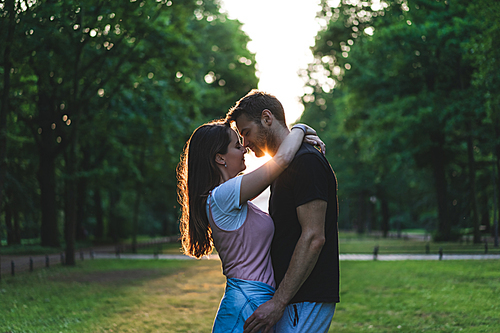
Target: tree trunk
column 12, row 219
column 135, row 219
column 99, row 214
column 47, row 179
column 17, row 226
column 497, row 152
column 8, row 224
column 437, row 155
column 369, row 216
column 4, row 108
column 361, row 214
column 81, row 214
column 47, row 155
column 70, row 204
column 485, row 215
column 138, row 191
column 472, row 188
column 114, row 197
column 81, row 233
column 385, row 216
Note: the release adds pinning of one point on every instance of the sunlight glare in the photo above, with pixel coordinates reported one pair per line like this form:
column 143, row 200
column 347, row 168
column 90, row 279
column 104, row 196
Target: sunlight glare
column 333, row 3
column 376, row 5
column 210, row 77
column 281, row 49
column 252, row 162
column 369, row 31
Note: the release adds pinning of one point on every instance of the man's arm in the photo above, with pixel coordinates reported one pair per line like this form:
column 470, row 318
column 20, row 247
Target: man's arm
column 312, row 220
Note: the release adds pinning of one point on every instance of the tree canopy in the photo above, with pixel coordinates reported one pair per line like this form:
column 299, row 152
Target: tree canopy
column 405, row 93
column 98, row 99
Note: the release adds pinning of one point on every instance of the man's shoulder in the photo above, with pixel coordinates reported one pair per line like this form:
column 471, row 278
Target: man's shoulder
column 306, row 149
column 307, row 154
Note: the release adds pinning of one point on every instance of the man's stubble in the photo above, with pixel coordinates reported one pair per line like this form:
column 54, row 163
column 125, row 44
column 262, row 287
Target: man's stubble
column 266, row 142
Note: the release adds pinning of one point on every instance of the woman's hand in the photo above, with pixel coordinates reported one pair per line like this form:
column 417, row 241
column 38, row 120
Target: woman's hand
column 309, row 129
column 311, row 137
column 315, row 141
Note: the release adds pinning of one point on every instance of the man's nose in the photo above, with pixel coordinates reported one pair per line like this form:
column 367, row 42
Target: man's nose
column 245, row 142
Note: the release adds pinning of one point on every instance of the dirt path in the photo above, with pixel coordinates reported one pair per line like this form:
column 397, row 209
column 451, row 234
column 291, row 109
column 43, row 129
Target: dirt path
column 184, row 302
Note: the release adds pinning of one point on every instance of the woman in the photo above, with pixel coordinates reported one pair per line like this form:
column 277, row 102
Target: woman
column 216, row 211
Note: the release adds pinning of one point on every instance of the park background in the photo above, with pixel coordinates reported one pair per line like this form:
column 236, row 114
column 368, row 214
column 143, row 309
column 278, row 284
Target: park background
column 99, row 97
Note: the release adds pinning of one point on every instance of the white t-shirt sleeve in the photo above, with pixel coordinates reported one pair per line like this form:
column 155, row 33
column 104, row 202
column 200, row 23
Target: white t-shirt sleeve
column 227, row 212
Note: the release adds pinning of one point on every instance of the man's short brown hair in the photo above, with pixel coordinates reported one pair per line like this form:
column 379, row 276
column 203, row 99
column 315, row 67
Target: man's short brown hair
column 252, row 105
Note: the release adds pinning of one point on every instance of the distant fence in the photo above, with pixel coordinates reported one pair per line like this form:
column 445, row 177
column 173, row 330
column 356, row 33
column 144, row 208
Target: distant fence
column 10, row 265
column 157, row 242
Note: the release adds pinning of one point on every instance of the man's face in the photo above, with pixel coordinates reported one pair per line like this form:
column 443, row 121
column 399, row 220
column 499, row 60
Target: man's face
column 253, row 134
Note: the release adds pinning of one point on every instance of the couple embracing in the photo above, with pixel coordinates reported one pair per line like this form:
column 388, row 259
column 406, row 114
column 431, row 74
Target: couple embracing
column 282, row 268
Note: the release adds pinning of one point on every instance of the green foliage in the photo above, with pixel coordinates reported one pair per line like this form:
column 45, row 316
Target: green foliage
column 101, row 99
column 400, row 104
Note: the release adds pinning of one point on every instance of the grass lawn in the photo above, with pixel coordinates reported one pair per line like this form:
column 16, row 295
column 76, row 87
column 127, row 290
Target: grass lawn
column 395, row 245
column 350, row 242
column 113, row 296
column 419, row 296
column 183, row 296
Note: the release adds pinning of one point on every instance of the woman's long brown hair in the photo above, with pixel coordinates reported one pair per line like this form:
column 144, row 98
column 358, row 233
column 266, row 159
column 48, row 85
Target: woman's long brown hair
column 197, row 175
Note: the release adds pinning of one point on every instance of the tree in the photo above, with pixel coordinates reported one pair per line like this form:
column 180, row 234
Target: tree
column 406, row 99
column 110, row 92
column 482, row 50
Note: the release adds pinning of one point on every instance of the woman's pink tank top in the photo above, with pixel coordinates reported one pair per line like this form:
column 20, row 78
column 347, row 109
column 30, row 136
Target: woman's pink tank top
column 245, row 252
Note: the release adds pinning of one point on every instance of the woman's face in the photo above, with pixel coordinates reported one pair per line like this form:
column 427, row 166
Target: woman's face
column 235, row 156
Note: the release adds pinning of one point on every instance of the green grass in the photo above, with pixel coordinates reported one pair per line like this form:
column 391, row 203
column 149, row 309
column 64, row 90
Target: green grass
column 183, row 296
column 413, row 296
column 350, row 242
column 79, row 299
column 391, row 246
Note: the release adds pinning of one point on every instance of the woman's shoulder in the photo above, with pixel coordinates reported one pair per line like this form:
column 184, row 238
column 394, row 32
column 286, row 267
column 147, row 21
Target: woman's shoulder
column 229, row 185
column 227, row 194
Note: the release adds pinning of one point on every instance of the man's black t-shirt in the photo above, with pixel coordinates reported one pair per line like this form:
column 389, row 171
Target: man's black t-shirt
column 308, row 177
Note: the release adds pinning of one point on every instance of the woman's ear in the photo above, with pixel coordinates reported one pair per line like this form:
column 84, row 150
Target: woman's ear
column 266, row 118
column 219, row 159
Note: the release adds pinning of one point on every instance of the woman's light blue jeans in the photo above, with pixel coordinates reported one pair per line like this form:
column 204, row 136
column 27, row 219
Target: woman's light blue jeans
column 240, row 300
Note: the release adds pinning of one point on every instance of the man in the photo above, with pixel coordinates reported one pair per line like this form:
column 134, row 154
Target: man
column 304, row 208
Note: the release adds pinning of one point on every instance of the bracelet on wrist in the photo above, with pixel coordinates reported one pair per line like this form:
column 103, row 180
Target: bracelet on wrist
column 302, row 127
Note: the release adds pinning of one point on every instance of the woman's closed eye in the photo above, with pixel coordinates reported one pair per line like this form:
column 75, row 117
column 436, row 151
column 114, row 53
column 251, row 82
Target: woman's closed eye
column 240, row 146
